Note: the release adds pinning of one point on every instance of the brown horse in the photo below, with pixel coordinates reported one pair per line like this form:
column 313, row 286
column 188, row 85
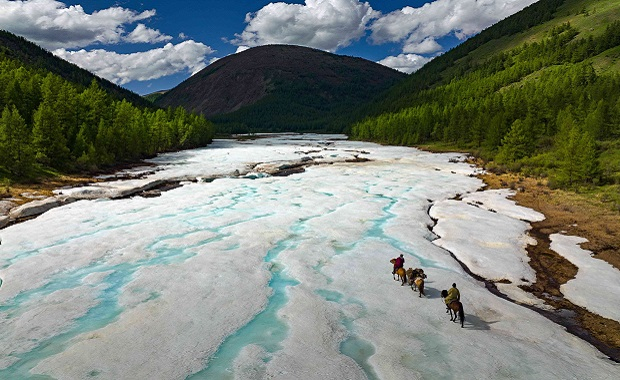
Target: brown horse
column 402, row 276
column 456, row 307
column 416, row 280
column 419, row 283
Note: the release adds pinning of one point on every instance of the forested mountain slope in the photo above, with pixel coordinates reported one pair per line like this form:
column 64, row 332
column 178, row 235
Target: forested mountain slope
column 542, row 96
column 282, row 88
column 52, row 119
column 32, row 55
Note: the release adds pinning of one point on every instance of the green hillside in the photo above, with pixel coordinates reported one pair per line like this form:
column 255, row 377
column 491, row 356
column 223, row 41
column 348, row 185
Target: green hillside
column 32, row 55
column 52, row 121
column 538, row 92
column 587, row 17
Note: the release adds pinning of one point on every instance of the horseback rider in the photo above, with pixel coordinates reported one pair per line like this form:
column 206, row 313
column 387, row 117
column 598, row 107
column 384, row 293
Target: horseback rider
column 399, row 262
column 453, row 295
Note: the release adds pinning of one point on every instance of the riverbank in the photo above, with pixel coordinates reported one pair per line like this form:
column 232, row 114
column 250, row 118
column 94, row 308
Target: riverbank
column 574, row 215
column 20, row 193
column 584, row 215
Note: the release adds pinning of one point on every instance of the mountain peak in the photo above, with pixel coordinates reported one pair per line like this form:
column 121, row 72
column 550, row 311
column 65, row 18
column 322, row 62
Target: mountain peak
column 293, row 77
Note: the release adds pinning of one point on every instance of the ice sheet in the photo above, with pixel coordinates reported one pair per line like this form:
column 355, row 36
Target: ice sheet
column 274, row 277
column 596, row 286
column 490, row 243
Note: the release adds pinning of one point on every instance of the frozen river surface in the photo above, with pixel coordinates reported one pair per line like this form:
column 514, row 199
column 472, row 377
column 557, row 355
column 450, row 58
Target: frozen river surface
column 252, row 276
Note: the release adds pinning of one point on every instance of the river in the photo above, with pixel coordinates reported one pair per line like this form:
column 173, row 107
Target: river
column 245, row 273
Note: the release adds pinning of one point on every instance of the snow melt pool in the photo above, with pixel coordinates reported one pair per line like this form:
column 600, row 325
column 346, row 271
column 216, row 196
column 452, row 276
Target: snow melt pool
column 251, row 276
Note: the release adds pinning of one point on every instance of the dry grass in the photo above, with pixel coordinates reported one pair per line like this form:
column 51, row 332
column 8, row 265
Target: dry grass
column 18, row 191
column 568, row 213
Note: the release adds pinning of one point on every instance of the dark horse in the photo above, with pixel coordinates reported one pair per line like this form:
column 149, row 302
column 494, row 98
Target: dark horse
column 454, row 306
column 416, row 280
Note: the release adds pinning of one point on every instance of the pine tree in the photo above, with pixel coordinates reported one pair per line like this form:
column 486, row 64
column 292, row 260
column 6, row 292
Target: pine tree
column 576, row 152
column 517, row 144
column 15, row 151
column 49, row 143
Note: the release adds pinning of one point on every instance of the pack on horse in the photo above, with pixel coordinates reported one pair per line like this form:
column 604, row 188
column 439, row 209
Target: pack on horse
column 454, row 306
column 416, row 280
column 399, row 274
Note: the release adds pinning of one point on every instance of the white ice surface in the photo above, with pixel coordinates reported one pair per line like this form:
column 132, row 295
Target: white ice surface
column 522, row 297
column 487, row 232
column 596, row 286
column 277, row 277
column 498, row 201
column 490, row 243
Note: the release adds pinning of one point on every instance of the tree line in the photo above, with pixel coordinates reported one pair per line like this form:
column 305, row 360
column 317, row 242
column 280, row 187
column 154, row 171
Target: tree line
column 540, row 106
column 47, row 121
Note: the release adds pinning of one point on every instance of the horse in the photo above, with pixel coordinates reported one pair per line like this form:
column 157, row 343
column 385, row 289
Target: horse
column 402, row 276
column 419, row 283
column 454, row 306
column 416, row 280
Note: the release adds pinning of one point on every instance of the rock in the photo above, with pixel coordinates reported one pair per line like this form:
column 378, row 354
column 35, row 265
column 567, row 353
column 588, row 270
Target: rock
column 34, row 195
column 6, row 206
column 4, row 220
column 34, row 208
column 150, row 193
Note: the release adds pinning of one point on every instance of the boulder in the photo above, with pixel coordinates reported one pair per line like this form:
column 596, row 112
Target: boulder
column 34, row 208
column 6, row 206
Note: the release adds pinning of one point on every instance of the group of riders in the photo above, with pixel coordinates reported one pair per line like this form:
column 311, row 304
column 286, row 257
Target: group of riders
column 450, row 296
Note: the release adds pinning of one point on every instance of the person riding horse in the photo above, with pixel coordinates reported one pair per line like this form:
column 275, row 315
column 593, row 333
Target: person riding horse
column 453, row 295
column 453, row 303
column 398, row 270
column 399, row 262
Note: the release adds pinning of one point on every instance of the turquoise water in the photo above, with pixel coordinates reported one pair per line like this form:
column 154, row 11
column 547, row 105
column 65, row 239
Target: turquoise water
column 105, row 312
column 377, row 231
column 266, row 329
column 360, row 350
column 353, row 346
column 107, row 309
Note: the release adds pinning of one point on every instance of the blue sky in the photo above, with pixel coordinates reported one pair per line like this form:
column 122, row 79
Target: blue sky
column 147, row 46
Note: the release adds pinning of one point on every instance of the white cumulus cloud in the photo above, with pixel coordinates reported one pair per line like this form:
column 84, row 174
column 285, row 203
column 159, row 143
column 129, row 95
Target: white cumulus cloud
column 418, row 28
column 53, row 24
column 142, row 66
column 427, row 46
column 144, row 34
column 322, row 24
column 406, row 63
